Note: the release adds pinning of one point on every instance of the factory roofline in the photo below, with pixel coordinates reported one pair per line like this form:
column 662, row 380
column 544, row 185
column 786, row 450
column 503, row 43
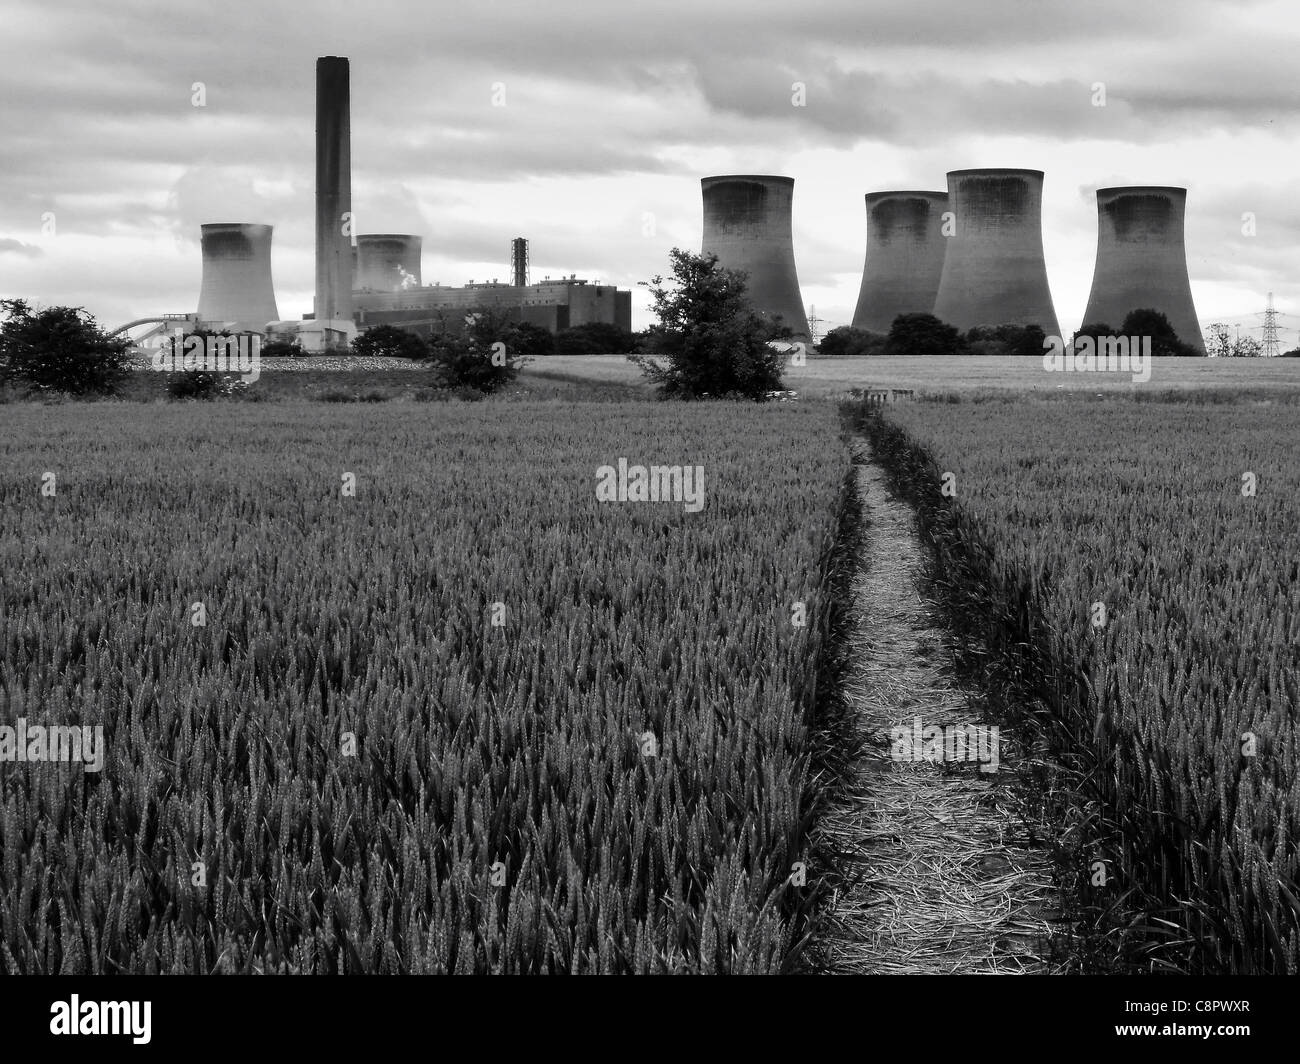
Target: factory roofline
column 907, row 192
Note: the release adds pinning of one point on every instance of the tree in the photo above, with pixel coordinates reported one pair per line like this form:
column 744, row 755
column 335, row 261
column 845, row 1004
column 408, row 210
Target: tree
column 388, row 341
column 1146, row 322
column 1009, row 338
column 847, row 340
column 1220, row 342
column 528, row 339
column 923, row 334
column 708, row 334
column 984, row 340
column 61, row 349
column 595, row 338
column 1025, row 340
column 1094, row 329
column 477, row 359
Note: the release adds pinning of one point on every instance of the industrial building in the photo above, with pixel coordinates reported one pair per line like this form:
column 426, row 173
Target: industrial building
column 1142, row 259
column 748, row 226
column 551, row 304
column 904, row 257
column 994, row 272
column 236, row 292
column 387, row 291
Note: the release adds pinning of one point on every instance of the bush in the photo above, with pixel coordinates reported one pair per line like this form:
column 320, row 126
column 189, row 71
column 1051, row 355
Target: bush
column 847, row 340
column 282, row 349
column 1026, row 340
column 529, row 340
column 480, row 358
column 204, row 385
column 1008, row 338
column 595, row 338
column 194, row 384
column 60, row 349
column 388, row 341
column 713, row 341
column 923, row 334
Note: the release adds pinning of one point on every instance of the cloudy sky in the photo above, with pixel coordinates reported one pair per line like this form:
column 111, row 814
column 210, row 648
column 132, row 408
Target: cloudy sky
column 613, row 112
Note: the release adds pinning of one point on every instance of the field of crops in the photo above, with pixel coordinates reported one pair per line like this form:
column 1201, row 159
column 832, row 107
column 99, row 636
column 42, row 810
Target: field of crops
column 1179, row 699
column 821, row 377
column 469, row 718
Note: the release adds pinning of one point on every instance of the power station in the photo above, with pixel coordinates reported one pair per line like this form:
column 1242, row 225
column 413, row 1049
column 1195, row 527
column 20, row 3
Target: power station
column 993, row 269
column 904, row 259
column 371, row 279
column 1142, row 259
column 748, row 225
column 236, row 293
column 971, row 256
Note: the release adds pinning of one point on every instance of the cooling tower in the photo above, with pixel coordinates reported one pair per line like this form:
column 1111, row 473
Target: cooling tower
column 747, row 224
column 993, row 269
column 386, row 262
column 333, row 191
column 905, row 249
column 1141, row 259
column 236, row 283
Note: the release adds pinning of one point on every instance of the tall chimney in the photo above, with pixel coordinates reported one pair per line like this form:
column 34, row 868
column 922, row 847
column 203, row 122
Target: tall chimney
column 1142, row 260
column 333, row 191
column 747, row 224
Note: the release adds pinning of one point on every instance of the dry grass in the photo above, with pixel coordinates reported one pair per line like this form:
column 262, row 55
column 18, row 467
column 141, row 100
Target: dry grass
column 937, row 874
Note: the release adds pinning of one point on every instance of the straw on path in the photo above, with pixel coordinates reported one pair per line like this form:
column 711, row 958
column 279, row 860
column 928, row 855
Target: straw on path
column 937, row 873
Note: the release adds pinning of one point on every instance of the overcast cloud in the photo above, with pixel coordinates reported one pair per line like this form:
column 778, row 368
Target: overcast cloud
column 612, row 115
